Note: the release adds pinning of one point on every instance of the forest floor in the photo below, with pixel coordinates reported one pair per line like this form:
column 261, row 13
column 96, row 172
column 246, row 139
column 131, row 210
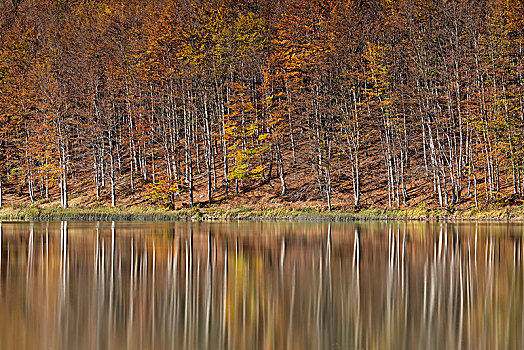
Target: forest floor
column 258, row 199
column 259, row 202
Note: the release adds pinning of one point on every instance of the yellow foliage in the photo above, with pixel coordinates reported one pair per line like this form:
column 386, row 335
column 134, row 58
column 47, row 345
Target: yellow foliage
column 163, row 192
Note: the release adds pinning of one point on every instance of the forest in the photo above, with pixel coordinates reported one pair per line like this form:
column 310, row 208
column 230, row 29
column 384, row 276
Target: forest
column 195, row 102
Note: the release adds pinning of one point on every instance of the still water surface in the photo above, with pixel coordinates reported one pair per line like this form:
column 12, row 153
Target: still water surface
column 261, row 285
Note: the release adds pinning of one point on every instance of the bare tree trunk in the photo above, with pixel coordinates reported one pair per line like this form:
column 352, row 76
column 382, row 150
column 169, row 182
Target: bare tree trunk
column 226, row 170
column 97, row 176
column 281, row 170
column 112, row 177
column 29, row 173
column 191, row 185
column 356, row 184
column 63, row 155
column 46, row 182
column 208, row 152
column 1, row 190
column 328, row 188
column 30, row 187
column 473, row 171
column 189, row 157
column 291, row 136
column 63, row 190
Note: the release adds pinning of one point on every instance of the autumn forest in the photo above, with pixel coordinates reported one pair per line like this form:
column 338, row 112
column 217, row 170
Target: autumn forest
column 191, row 102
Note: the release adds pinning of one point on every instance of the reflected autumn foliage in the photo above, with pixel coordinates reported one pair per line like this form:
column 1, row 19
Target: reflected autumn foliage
column 268, row 285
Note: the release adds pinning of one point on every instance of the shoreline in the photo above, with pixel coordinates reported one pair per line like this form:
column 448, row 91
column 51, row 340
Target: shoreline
column 139, row 213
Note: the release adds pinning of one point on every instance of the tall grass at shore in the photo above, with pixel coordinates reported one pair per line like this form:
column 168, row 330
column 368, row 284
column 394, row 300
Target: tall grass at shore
column 142, row 213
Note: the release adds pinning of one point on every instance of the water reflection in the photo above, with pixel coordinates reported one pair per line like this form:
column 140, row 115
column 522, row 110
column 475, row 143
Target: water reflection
column 377, row 285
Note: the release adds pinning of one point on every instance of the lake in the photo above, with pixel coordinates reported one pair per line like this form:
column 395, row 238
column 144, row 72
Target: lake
column 261, row 285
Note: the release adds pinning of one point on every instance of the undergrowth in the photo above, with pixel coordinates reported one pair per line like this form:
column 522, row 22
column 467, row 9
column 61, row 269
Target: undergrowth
column 37, row 212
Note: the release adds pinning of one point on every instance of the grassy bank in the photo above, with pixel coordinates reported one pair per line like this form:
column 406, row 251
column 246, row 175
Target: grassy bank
column 91, row 214
column 140, row 213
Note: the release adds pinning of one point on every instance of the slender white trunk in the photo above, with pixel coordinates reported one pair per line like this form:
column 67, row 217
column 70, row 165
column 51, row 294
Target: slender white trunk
column 112, row 159
column 1, row 198
column 31, row 187
column 112, row 168
column 63, row 165
column 280, row 166
column 64, row 190
column 356, row 185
